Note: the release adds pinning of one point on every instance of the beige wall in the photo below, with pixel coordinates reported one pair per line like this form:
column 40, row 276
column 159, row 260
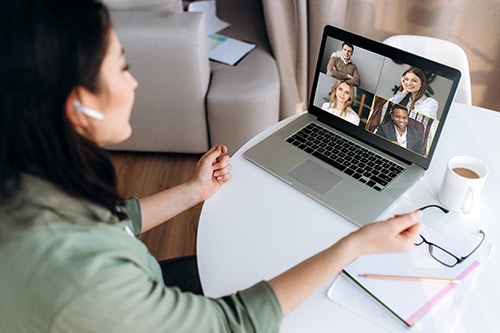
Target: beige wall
column 474, row 25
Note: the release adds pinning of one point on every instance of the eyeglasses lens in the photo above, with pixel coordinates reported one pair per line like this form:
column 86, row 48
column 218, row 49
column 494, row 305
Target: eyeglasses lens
column 442, row 256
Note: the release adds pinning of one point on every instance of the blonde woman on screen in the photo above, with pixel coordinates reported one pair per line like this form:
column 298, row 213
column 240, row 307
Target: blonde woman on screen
column 340, row 102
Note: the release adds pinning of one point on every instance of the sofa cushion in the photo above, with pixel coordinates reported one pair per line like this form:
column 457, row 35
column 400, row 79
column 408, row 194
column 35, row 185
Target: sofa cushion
column 171, row 6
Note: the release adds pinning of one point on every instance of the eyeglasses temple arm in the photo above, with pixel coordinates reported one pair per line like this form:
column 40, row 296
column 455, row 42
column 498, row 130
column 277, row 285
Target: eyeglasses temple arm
column 446, row 211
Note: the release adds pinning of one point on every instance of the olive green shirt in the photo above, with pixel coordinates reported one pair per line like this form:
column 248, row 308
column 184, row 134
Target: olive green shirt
column 76, row 268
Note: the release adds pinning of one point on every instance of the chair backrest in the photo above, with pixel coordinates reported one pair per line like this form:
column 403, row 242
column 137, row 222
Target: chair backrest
column 441, row 51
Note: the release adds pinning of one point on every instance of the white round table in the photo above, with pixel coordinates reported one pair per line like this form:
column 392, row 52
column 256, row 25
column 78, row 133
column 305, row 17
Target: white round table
column 257, row 226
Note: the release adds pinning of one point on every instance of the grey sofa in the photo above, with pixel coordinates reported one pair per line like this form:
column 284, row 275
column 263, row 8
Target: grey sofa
column 184, row 102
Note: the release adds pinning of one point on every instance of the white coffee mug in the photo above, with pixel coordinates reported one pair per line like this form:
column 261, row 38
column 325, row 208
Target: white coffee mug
column 462, row 184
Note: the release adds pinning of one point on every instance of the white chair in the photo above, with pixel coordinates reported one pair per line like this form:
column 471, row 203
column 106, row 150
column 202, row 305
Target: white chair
column 441, row 51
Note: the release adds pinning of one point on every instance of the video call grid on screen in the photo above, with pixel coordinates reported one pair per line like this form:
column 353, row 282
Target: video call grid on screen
column 376, row 96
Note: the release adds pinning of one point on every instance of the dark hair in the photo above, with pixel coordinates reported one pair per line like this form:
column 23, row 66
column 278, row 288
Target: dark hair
column 400, row 107
column 423, row 86
column 49, row 47
column 350, row 45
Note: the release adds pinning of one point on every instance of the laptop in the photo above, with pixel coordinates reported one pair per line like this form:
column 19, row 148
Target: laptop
column 357, row 155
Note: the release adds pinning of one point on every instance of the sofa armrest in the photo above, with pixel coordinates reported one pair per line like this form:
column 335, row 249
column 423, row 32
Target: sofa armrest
column 168, row 57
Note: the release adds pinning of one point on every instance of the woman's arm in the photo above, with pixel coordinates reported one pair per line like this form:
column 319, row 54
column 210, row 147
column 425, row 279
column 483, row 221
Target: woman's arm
column 394, row 235
column 398, row 97
column 212, row 171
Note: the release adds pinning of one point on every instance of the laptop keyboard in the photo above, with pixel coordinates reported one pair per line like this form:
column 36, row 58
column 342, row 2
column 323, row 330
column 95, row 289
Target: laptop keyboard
column 356, row 161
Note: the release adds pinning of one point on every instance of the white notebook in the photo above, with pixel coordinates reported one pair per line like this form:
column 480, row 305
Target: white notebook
column 227, row 50
column 409, row 301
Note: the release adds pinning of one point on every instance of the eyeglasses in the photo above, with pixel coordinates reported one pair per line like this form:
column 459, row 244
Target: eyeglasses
column 445, row 257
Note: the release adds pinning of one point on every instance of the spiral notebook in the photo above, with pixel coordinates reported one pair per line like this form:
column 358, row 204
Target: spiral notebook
column 409, row 301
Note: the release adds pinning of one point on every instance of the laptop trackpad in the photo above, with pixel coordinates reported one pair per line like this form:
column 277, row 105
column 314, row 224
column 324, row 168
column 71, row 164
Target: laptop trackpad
column 314, row 176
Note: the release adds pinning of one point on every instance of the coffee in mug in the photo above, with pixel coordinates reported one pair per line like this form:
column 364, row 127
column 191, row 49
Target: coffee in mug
column 467, row 173
column 462, row 184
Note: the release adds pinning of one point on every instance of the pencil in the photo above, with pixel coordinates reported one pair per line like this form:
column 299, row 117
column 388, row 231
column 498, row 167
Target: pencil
column 411, row 278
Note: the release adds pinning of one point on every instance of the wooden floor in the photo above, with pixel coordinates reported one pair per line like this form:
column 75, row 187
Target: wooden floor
column 141, row 174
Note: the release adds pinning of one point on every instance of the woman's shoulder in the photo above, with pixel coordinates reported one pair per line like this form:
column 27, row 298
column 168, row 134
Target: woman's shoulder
column 427, row 106
column 429, row 100
column 353, row 114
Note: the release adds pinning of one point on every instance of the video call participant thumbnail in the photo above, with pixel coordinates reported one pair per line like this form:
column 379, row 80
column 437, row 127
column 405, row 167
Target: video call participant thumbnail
column 342, row 68
column 411, row 93
column 398, row 130
column 341, row 98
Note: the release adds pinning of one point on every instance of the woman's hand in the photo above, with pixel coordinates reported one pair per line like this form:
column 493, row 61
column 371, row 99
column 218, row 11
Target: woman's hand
column 403, row 86
column 212, row 171
column 397, row 234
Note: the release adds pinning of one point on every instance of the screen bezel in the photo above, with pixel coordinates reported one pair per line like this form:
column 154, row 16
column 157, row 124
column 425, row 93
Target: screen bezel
column 400, row 56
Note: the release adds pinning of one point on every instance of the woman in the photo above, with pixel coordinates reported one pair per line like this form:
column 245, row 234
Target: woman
column 411, row 93
column 70, row 261
column 341, row 99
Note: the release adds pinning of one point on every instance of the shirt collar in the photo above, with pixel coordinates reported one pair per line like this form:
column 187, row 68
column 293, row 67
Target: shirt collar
column 345, row 62
column 401, row 139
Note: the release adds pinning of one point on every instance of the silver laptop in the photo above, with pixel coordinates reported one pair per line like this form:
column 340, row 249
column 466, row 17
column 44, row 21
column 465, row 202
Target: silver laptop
column 374, row 119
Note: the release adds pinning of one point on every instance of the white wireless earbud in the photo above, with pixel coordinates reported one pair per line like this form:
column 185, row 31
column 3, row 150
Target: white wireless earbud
column 88, row 111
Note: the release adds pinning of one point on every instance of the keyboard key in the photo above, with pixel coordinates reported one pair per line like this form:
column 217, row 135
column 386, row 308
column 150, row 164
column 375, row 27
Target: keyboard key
column 329, row 161
column 378, row 180
column 370, row 183
column 356, row 175
column 385, row 177
column 301, row 133
column 377, row 188
column 349, row 172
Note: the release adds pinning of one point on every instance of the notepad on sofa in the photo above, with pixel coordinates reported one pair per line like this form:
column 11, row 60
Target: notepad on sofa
column 227, row 50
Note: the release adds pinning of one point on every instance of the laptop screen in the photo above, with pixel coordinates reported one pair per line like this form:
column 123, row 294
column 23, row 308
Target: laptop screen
column 388, row 98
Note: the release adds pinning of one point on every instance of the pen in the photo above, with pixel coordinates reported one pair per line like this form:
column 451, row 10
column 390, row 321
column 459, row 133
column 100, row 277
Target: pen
column 411, row 278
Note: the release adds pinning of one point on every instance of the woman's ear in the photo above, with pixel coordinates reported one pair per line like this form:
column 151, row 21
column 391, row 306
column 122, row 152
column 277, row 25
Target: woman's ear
column 77, row 119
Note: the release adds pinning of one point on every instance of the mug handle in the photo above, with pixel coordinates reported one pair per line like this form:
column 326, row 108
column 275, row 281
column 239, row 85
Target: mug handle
column 470, row 194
